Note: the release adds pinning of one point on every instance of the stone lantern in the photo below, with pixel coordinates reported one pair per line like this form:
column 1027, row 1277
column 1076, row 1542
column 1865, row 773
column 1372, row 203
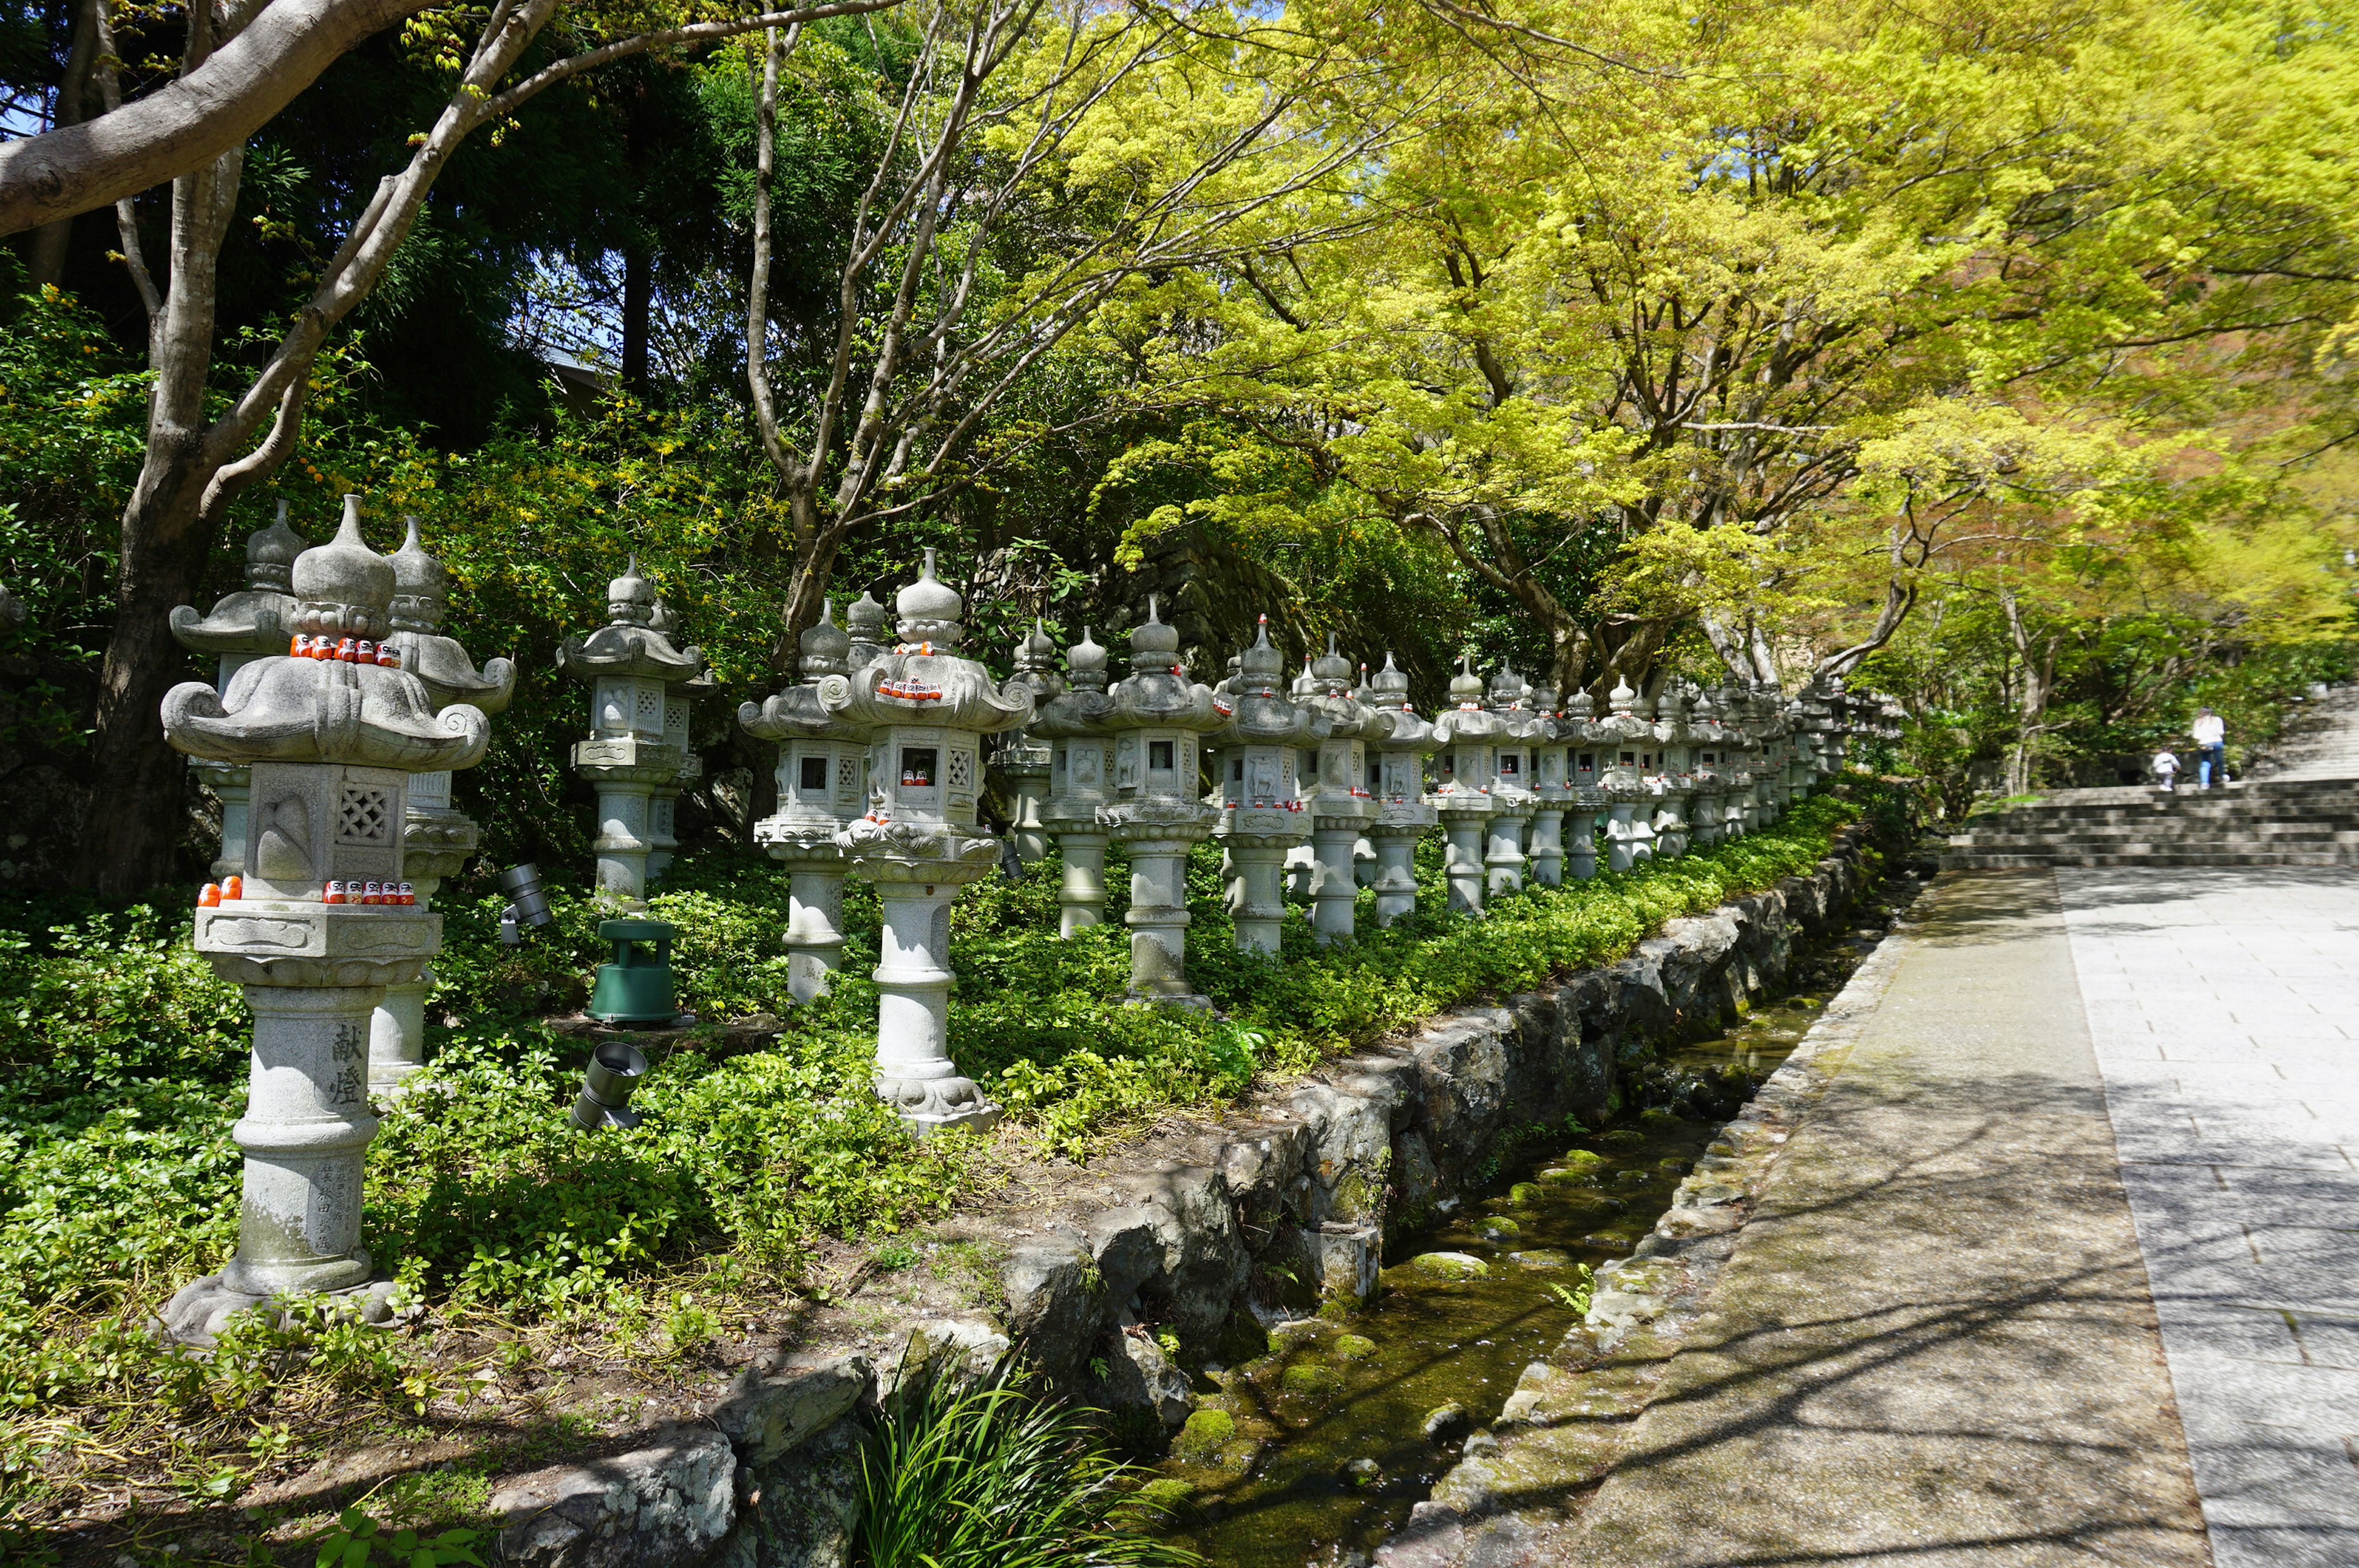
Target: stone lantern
column 13, row 614
column 1340, row 804
column 1513, row 802
column 1024, row 760
column 1081, row 781
column 1624, row 738
column 927, row 710
column 1469, row 742
column 822, row 779
column 1585, row 799
column 1159, row 717
column 634, row 748
column 437, row 838
column 1707, row 806
column 1551, row 784
column 1741, row 751
column 1262, row 815
column 1676, row 770
column 247, row 625
column 332, row 744
column 1402, row 814
column 663, row 805
column 1365, row 868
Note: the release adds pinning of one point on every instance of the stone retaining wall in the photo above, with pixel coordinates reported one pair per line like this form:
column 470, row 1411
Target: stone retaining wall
column 1210, row 1234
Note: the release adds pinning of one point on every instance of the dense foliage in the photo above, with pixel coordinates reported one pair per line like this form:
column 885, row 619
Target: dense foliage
column 126, row 1061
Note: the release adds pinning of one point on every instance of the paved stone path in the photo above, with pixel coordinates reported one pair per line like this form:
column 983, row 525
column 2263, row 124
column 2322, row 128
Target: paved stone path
column 1935, row 1343
column 2225, row 1009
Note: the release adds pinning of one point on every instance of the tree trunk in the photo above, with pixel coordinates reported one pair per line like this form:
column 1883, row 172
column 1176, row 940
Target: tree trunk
column 46, row 264
column 639, row 306
column 133, row 825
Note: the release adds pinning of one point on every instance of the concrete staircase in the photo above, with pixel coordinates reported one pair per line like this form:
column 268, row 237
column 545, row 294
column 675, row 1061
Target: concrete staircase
column 2300, row 808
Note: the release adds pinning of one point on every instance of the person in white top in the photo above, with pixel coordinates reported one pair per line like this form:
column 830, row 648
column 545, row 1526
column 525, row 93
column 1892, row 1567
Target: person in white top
column 2165, row 768
column 2211, row 733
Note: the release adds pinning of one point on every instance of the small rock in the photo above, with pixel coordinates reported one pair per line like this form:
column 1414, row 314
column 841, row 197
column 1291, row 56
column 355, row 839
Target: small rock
column 1450, row 1265
column 1363, row 1472
column 1354, row 1347
column 1525, row 1192
column 1621, row 1138
column 1204, row 1432
column 1168, row 1496
column 1310, row 1381
column 1444, row 1422
column 1497, row 1229
column 1541, row 1258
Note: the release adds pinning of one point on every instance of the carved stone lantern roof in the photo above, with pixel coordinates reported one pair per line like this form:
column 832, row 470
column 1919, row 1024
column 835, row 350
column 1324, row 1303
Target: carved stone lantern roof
column 1388, row 694
column 1264, row 713
column 259, row 617
column 421, row 594
column 1466, row 718
column 1623, row 723
column 1157, row 694
column 630, row 644
column 1081, row 708
column 866, row 623
column 1036, row 663
column 797, row 712
column 925, row 680
column 324, row 710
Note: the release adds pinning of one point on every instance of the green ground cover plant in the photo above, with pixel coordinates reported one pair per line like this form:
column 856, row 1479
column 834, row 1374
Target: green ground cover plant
column 124, row 1068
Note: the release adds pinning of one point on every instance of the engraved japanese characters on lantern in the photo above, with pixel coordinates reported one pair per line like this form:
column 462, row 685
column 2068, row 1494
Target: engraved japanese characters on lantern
column 634, row 748
column 332, row 744
column 1397, row 780
column 822, row 782
column 926, row 710
column 1158, row 719
column 255, row 620
column 1468, row 736
column 1262, row 815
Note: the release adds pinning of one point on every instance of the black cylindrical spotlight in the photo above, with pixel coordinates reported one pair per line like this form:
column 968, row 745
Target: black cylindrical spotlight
column 522, row 884
column 614, row 1072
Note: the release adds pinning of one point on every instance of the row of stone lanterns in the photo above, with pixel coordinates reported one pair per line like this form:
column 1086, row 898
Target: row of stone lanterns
column 333, row 768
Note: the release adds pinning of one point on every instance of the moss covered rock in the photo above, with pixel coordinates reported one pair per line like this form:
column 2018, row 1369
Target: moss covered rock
column 1541, row 1258
column 1205, row 1431
column 1497, row 1228
column 1311, row 1382
column 1168, row 1496
column 1525, row 1192
column 1450, row 1265
column 1623, row 1138
column 1354, row 1347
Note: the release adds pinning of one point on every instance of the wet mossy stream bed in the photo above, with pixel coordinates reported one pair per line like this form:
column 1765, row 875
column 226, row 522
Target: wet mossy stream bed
column 1315, row 1453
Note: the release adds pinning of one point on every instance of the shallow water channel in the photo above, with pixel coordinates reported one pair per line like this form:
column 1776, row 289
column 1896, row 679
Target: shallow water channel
column 1333, row 1436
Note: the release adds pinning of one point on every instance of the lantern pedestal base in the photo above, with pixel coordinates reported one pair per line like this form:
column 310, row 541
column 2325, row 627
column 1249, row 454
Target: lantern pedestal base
column 1080, row 897
column 1547, row 847
column 397, row 1037
column 200, row 1310
column 814, row 930
column 1334, row 889
column 1395, row 873
column 1256, row 901
column 1463, row 862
